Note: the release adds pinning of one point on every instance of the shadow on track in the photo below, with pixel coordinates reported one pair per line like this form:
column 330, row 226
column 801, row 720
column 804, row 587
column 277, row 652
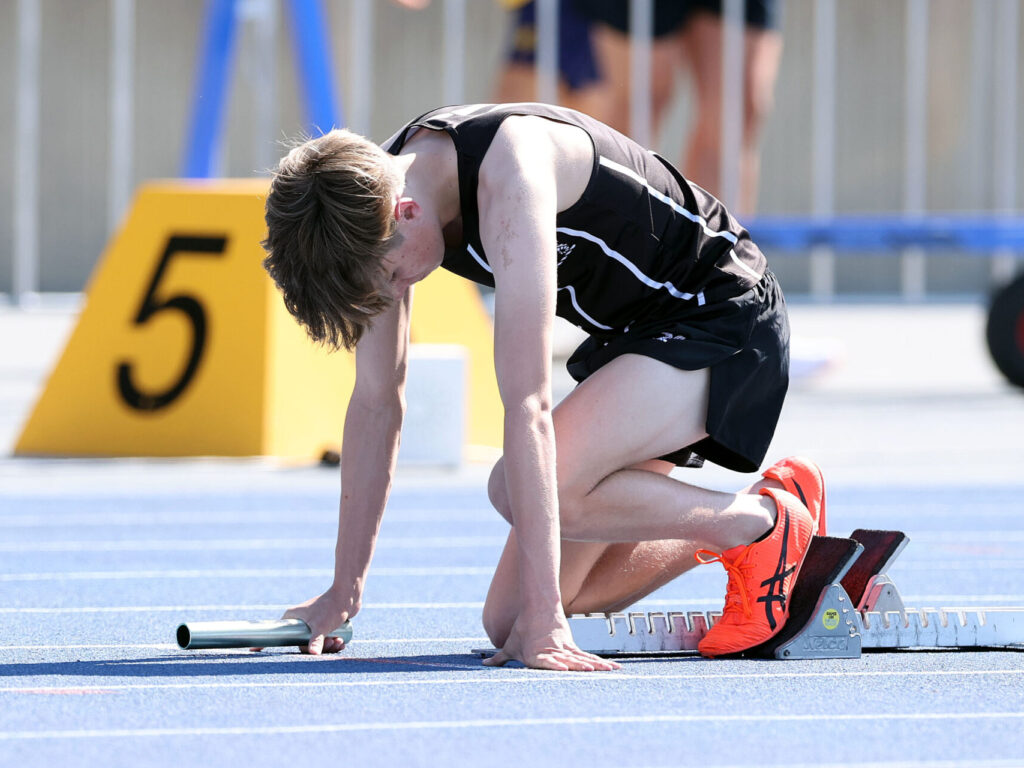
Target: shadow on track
column 248, row 664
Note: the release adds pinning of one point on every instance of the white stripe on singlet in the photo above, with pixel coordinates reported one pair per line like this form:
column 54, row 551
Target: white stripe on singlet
column 631, row 266
column 478, row 110
column 584, row 315
column 657, row 195
column 741, row 265
column 479, row 260
column 569, row 288
column 695, row 218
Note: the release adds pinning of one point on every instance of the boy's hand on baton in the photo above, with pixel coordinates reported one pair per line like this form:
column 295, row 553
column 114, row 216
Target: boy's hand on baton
column 323, row 615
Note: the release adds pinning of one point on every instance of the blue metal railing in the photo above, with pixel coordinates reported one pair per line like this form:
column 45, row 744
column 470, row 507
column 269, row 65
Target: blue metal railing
column 212, row 86
column 984, row 233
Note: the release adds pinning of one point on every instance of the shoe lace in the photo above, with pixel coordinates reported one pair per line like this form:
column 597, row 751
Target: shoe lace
column 736, row 590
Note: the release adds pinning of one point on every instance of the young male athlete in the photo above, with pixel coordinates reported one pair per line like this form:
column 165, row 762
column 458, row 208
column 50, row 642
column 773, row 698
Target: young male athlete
column 687, row 359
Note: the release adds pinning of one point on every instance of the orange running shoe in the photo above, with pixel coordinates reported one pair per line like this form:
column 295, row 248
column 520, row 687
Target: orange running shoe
column 761, row 577
column 803, row 478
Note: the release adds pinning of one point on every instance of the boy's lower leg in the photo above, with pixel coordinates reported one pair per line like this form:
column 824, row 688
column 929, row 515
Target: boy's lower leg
column 599, row 578
column 633, row 505
column 627, row 572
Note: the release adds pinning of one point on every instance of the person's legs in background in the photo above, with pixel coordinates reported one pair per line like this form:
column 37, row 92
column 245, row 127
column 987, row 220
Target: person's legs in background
column 702, row 41
column 610, row 30
column 690, row 33
column 580, row 85
column 612, row 47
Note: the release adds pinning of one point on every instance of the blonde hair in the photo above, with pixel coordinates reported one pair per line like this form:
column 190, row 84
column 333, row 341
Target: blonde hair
column 329, row 221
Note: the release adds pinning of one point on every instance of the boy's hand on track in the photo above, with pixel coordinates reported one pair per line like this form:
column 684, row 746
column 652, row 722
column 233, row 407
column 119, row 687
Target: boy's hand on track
column 540, row 646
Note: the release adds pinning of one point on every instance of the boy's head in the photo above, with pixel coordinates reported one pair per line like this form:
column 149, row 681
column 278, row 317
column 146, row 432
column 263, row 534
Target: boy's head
column 330, row 219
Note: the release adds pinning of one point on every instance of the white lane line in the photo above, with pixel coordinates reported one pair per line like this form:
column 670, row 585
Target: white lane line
column 92, row 647
column 142, row 609
column 912, row 601
column 969, row 602
column 173, row 647
column 433, row 725
column 979, row 563
column 961, row 537
column 239, row 573
column 241, row 608
column 960, row 600
column 474, row 604
column 200, row 545
column 474, row 678
column 153, row 519
column 922, row 763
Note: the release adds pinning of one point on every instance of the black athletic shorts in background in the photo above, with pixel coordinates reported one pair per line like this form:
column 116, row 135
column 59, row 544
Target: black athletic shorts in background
column 672, row 15
column 744, row 341
column 577, row 63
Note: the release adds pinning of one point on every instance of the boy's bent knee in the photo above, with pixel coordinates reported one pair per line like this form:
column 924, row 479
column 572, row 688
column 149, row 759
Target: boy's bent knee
column 496, row 625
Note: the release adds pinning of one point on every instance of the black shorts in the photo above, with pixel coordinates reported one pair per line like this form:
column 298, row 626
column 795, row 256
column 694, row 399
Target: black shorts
column 672, row 15
column 744, row 341
column 577, row 63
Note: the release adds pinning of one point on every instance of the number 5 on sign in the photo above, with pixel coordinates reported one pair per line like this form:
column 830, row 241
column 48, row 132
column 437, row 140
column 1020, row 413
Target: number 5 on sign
column 193, row 309
column 184, row 346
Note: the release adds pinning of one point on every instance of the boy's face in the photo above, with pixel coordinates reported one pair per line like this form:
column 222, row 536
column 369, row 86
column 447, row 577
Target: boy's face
column 419, row 250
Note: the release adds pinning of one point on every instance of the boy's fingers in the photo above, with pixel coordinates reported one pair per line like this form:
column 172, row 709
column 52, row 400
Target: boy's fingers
column 316, row 645
column 598, row 662
column 558, row 662
column 497, row 660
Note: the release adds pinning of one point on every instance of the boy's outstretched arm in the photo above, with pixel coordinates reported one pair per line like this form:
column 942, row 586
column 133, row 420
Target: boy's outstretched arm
column 369, row 449
column 518, row 205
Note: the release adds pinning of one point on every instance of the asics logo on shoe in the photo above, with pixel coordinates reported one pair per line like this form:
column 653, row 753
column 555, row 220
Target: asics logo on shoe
column 777, row 581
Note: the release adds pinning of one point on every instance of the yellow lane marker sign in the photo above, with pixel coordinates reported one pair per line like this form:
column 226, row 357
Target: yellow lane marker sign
column 184, row 346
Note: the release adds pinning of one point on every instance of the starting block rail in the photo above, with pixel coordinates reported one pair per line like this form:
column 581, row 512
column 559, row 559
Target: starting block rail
column 843, row 603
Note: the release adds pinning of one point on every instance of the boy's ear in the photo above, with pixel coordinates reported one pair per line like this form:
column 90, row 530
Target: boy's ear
column 406, row 208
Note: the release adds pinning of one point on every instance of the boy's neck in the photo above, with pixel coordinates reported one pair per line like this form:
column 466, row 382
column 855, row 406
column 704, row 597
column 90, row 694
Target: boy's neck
column 430, row 169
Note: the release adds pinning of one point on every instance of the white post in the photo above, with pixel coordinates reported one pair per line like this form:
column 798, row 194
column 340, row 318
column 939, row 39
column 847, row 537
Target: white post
column 641, row 30
column 122, row 134
column 262, row 66
column 1004, row 122
column 915, row 143
column 454, row 47
column 547, row 51
column 979, row 109
column 823, row 143
column 360, row 67
column 433, row 432
column 26, row 154
column 733, row 50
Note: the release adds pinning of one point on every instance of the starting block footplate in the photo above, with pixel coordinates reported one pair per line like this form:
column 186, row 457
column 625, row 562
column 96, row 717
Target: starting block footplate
column 843, row 602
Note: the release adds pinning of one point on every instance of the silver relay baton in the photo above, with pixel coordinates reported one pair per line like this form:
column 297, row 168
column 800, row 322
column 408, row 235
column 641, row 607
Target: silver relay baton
column 199, row 635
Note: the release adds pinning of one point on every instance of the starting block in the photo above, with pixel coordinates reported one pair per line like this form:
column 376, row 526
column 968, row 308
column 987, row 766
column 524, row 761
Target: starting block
column 843, row 603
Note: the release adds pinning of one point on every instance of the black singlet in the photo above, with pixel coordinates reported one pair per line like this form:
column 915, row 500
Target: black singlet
column 640, row 246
